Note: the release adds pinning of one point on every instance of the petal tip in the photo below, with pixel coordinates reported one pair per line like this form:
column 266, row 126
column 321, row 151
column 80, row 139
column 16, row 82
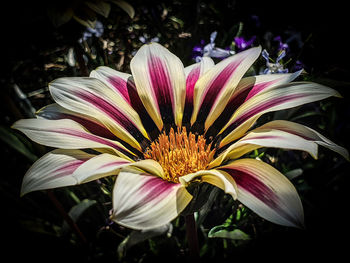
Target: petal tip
column 338, row 95
column 23, row 192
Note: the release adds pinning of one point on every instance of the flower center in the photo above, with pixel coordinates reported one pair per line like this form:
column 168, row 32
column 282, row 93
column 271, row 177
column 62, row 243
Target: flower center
column 180, row 153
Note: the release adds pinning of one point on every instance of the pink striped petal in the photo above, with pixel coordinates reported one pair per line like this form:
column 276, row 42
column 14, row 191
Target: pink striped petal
column 117, row 81
column 266, row 191
column 124, row 85
column 66, row 134
column 262, row 137
column 107, row 164
column 269, row 81
column 56, row 112
column 214, row 177
column 281, row 97
column 193, row 73
column 54, row 170
column 306, row 133
column 142, row 201
column 160, row 81
column 247, row 88
column 214, row 89
column 92, row 98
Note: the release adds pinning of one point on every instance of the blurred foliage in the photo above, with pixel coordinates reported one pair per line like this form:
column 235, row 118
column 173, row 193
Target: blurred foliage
column 35, row 52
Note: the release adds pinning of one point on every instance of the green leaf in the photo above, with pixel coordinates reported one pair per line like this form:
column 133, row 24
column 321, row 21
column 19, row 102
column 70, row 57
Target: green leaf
column 203, row 250
column 228, row 221
column 236, row 234
column 238, row 215
column 138, row 236
column 9, row 137
column 76, row 212
column 294, row 173
column 177, row 20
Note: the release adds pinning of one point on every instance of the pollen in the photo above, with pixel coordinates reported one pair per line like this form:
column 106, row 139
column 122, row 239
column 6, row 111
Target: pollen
column 180, row 153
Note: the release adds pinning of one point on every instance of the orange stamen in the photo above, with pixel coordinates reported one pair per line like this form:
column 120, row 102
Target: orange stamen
column 180, row 153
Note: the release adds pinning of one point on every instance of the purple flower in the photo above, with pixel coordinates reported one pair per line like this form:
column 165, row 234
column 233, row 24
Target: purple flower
column 281, row 45
column 243, row 44
column 89, row 32
column 298, row 65
column 145, row 39
column 210, row 50
column 273, row 68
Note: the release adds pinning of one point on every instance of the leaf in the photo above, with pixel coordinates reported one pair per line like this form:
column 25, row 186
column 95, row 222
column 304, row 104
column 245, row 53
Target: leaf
column 125, row 6
column 236, row 234
column 85, row 16
column 204, row 211
column 9, row 137
column 100, row 7
column 294, row 173
column 138, row 236
column 76, row 212
column 228, row 221
column 86, row 23
column 177, row 20
column 24, row 102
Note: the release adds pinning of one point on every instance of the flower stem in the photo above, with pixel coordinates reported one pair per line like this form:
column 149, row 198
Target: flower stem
column 192, row 238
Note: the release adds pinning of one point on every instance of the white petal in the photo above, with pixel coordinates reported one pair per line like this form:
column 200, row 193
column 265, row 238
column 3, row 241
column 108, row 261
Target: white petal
column 54, row 170
column 56, row 112
column 279, row 98
column 307, row 133
column 142, row 201
column 214, row 177
column 214, row 89
column 107, row 164
column 91, row 97
column 258, row 138
column 266, row 191
column 66, row 134
column 247, row 88
column 160, row 81
column 117, row 81
column 193, row 73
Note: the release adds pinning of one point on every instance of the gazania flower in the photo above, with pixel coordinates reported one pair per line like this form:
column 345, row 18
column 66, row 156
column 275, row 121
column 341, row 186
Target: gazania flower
column 165, row 127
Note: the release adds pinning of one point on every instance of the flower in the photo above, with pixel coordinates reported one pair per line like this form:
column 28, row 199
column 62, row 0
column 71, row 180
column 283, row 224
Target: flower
column 277, row 67
column 243, row 44
column 281, row 45
column 210, row 50
column 165, row 127
column 145, row 39
column 97, row 31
